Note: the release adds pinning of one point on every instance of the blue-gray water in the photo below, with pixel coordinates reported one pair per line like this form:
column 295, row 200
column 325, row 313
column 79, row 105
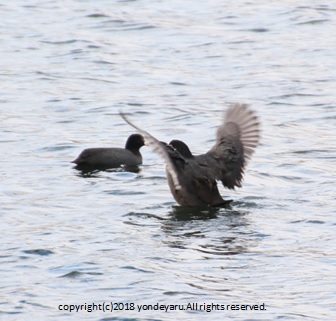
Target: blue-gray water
column 68, row 67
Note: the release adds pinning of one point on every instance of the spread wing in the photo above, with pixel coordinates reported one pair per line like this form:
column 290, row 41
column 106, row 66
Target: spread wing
column 237, row 139
column 158, row 148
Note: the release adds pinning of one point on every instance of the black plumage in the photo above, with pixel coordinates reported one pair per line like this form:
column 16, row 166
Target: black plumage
column 104, row 158
column 192, row 179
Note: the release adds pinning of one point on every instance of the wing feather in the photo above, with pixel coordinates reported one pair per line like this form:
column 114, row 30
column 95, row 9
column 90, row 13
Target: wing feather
column 158, row 148
column 237, row 139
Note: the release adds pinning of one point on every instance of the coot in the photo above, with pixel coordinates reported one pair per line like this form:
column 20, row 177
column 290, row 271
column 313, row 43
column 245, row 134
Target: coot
column 192, row 179
column 104, row 158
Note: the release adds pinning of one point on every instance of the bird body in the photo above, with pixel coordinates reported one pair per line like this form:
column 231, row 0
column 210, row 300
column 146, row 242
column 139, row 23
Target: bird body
column 192, row 179
column 196, row 189
column 104, row 158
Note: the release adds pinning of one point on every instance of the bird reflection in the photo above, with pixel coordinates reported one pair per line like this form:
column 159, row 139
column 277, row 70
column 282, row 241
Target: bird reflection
column 188, row 213
column 89, row 171
column 226, row 231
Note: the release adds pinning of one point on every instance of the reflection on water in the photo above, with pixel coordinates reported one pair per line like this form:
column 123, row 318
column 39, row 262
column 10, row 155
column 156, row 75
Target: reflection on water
column 185, row 213
column 230, row 229
column 89, row 171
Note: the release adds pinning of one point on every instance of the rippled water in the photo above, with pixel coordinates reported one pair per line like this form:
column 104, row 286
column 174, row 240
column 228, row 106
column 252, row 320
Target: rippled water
column 68, row 67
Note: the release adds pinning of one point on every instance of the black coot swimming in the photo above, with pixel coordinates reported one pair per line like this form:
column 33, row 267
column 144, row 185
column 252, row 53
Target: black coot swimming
column 105, row 158
column 192, row 179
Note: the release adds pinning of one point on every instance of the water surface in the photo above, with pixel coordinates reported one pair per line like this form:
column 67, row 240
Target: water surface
column 67, row 68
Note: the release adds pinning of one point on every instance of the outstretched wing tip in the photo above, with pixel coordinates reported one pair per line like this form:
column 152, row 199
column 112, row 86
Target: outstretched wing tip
column 158, row 148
